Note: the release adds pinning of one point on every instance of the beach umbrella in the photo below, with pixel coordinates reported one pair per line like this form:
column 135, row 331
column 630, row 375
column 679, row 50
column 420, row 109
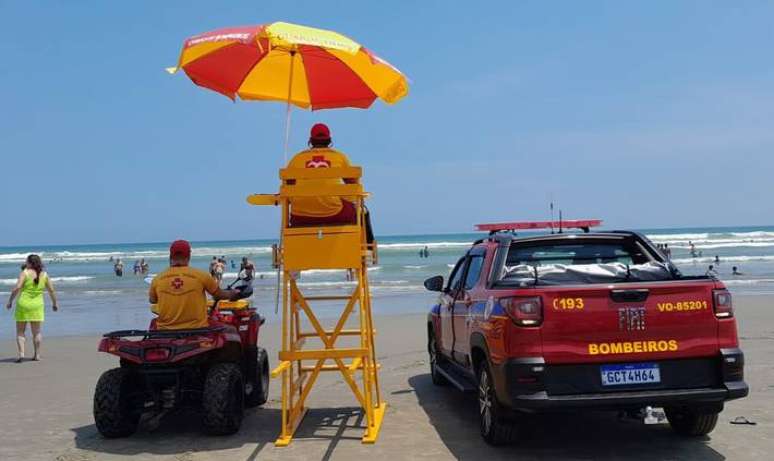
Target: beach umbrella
column 302, row 66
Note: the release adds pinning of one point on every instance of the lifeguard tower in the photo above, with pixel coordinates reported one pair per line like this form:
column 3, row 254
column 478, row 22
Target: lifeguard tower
column 324, row 247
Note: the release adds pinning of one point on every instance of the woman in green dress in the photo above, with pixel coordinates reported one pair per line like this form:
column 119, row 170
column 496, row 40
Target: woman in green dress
column 29, row 307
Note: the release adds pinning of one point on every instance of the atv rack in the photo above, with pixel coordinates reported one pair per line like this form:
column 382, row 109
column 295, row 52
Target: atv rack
column 154, row 334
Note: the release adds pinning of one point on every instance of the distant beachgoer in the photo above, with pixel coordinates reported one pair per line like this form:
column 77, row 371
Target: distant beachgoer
column 233, row 264
column 144, row 267
column 247, row 269
column 426, row 252
column 717, row 259
column 110, row 259
column 220, row 267
column 213, row 263
column 118, row 267
column 137, row 267
column 30, row 306
column 735, row 271
column 711, row 272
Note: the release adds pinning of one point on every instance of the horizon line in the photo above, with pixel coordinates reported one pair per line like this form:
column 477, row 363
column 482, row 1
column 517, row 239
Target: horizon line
column 377, row 237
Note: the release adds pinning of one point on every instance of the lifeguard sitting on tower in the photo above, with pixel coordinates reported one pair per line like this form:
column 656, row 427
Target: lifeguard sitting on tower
column 312, row 211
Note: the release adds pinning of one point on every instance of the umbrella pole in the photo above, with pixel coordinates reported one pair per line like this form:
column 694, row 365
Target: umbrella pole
column 287, row 131
column 290, row 94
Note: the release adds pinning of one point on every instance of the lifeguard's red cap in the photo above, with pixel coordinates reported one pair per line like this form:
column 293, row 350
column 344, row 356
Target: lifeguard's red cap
column 320, row 132
column 180, row 248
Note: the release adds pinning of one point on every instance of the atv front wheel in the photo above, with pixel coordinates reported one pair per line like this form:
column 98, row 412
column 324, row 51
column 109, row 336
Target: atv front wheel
column 495, row 428
column 223, row 399
column 259, row 383
column 686, row 421
column 114, row 415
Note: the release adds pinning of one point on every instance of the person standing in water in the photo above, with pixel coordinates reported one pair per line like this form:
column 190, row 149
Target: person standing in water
column 118, row 267
column 144, row 267
column 30, row 307
column 213, row 264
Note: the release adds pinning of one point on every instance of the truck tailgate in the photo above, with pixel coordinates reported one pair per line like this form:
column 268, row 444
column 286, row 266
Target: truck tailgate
column 628, row 322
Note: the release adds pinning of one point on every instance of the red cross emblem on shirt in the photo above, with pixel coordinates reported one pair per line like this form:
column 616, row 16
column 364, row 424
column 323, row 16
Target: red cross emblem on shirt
column 177, row 283
column 318, row 161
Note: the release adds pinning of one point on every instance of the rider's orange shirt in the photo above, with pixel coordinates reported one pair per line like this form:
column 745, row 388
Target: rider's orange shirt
column 182, row 303
column 318, row 157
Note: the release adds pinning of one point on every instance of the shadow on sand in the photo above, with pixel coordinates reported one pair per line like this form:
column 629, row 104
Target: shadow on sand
column 181, row 432
column 590, row 435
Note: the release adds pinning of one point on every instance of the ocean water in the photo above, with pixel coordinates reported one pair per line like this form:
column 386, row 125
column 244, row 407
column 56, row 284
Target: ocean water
column 94, row 300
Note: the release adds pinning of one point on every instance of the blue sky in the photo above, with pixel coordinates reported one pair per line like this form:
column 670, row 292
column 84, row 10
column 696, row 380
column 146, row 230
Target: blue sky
column 649, row 114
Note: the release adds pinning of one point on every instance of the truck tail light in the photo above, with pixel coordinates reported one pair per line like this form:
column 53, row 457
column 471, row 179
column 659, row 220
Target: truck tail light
column 157, row 354
column 525, row 312
column 724, row 307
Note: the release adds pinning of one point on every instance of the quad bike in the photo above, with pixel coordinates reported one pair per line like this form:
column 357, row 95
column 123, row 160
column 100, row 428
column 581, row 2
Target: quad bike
column 219, row 369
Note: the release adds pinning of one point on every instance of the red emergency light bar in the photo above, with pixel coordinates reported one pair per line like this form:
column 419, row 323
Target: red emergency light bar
column 584, row 224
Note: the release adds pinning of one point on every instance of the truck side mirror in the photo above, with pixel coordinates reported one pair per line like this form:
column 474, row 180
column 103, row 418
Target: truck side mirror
column 434, row 283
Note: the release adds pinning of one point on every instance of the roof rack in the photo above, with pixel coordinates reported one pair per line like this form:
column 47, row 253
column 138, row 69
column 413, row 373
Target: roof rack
column 583, row 224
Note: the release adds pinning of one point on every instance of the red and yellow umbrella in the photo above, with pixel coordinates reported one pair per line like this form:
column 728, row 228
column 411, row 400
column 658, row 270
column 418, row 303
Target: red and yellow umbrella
column 307, row 67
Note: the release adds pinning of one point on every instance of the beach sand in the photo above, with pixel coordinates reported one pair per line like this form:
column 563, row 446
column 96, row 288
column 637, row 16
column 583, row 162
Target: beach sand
column 45, row 411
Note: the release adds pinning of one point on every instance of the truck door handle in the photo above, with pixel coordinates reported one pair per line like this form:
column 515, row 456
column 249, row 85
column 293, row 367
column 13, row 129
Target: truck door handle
column 467, row 300
column 629, row 296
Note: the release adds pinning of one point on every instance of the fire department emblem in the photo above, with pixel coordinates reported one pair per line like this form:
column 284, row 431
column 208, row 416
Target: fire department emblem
column 177, row 283
column 318, row 161
column 631, row 319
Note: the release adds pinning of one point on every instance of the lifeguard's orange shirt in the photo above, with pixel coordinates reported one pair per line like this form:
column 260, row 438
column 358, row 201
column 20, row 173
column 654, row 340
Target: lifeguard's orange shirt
column 181, row 299
column 318, row 207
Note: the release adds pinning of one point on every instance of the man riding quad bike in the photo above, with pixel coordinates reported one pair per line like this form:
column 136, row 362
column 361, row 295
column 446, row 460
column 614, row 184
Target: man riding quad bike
column 188, row 357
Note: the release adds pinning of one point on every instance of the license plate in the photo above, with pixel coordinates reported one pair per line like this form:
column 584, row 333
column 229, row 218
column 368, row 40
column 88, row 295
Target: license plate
column 633, row 373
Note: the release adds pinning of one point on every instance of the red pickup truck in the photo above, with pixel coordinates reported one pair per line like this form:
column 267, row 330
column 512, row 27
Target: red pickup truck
column 594, row 320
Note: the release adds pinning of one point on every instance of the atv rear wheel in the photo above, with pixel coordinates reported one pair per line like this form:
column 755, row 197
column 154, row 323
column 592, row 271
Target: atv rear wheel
column 495, row 428
column 114, row 414
column 259, row 383
column 688, row 422
column 435, row 360
column 223, row 399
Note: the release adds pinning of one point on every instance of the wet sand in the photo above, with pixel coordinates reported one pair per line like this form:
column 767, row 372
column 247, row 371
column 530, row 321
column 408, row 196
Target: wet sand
column 45, row 412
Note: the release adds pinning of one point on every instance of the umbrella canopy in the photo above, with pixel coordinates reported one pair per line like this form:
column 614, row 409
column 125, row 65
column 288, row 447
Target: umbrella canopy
column 307, row 67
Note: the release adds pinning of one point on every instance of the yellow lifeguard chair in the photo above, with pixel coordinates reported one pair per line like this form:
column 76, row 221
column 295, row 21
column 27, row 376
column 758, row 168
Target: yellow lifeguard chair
column 324, row 247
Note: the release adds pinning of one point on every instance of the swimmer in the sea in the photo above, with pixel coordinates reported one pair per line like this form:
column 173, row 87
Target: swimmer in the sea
column 735, row 271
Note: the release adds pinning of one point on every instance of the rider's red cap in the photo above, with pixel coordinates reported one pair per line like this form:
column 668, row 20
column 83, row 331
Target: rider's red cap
column 180, row 248
column 320, row 131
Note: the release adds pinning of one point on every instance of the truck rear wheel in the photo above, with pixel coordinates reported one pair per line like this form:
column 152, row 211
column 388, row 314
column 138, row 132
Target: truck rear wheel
column 223, row 399
column 259, row 392
column 434, row 358
column 688, row 422
column 495, row 428
column 114, row 414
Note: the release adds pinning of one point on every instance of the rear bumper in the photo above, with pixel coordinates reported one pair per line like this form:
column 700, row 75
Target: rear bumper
column 531, row 385
column 706, row 397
